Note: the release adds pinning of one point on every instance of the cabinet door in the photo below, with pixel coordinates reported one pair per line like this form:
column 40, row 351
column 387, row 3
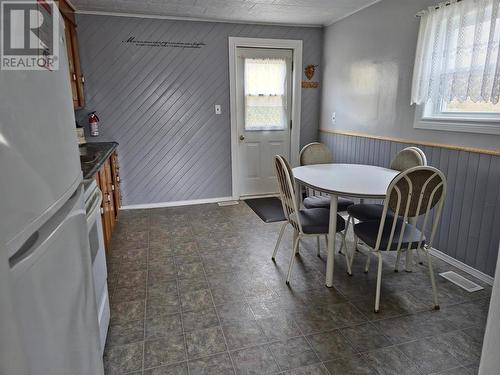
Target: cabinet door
column 75, row 72
column 106, row 227
column 73, row 78
column 109, row 196
column 115, row 171
column 78, row 70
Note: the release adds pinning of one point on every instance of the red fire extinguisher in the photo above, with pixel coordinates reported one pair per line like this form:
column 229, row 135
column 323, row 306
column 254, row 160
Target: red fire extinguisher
column 93, row 124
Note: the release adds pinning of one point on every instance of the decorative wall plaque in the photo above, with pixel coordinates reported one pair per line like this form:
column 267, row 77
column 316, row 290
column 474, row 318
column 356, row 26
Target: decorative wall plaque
column 309, row 72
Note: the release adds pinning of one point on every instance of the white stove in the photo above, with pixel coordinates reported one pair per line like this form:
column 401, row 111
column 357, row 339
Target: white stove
column 93, row 199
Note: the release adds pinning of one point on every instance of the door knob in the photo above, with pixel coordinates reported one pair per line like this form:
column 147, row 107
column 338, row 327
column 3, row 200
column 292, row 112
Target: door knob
column 242, row 137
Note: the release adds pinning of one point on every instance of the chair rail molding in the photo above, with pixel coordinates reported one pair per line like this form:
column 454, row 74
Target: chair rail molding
column 413, row 142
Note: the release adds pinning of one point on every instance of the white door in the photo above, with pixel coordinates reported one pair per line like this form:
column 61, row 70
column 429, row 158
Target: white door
column 264, row 101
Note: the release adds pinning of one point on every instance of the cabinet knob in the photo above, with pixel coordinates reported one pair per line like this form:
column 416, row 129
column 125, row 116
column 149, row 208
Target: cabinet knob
column 82, row 79
column 117, row 178
column 113, row 187
column 74, row 77
column 102, row 211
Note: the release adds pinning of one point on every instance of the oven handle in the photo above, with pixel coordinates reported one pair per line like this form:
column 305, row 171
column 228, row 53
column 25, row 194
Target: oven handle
column 94, row 209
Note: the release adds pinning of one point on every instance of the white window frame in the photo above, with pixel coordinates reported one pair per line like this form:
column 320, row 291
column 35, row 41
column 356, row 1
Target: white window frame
column 430, row 116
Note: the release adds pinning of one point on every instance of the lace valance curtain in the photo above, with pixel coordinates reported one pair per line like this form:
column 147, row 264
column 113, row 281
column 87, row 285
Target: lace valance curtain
column 265, row 93
column 458, row 53
column 265, row 77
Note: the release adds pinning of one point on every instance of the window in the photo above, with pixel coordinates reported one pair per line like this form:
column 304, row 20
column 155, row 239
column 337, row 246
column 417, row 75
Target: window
column 265, row 94
column 456, row 79
column 463, row 111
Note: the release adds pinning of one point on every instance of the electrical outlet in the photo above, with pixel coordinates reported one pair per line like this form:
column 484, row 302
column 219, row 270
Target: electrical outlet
column 218, row 109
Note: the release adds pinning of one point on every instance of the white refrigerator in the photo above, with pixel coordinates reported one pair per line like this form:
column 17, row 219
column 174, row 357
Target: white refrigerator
column 48, row 319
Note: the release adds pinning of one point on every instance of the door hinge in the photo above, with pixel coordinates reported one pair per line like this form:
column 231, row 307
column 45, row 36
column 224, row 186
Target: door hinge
column 290, row 124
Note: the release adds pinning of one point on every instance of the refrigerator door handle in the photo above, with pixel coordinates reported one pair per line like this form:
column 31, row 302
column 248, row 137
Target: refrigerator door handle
column 27, row 249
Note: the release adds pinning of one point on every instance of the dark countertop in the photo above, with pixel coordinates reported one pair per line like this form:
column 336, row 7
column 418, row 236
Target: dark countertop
column 93, row 156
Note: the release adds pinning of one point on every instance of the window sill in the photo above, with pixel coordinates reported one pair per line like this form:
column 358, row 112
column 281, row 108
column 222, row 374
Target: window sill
column 457, row 124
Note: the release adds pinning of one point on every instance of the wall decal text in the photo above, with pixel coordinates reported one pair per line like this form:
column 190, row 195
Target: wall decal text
column 163, row 43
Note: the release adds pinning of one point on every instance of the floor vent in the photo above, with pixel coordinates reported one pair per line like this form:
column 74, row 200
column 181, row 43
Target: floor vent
column 228, row 203
column 461, row 281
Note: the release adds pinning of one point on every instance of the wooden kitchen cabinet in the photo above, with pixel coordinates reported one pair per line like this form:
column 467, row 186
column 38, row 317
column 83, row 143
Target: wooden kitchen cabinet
column 115, row 175
column 75, row 72
column 108, row 181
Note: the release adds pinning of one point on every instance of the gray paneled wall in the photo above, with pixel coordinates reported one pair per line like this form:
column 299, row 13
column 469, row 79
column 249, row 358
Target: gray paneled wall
column 158, row 103
column 470, row 226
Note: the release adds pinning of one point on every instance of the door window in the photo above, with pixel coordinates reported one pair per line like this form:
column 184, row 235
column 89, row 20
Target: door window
column 265, row 93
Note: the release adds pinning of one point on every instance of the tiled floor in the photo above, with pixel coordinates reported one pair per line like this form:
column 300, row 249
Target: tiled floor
column 194, row 291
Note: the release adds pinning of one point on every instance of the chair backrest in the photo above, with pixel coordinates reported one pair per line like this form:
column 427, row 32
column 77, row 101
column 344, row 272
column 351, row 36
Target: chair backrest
column 422, row 154
column 408, row 158
column 413, row 194
column 315, row 153
column 287, row 190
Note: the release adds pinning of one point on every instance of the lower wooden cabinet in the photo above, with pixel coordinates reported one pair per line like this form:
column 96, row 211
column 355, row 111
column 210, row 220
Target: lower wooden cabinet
column 108, row 180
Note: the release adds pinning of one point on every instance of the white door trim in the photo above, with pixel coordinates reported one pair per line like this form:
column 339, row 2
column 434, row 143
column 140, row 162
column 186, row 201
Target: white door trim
column 296, row 47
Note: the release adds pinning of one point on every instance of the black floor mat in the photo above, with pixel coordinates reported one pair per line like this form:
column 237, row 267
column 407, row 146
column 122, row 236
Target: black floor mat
column 268, row 209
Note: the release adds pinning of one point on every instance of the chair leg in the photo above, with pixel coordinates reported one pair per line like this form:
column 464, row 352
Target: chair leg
column 326, row 240
column 354, row 250
column 347, row 257
column 398, row 256
column 379, row 282
column 419, row 259
column 282, row 230
column 367, row 265
column 292, row 260
column 318, row 250
column 433, row 281
column 345, row 232
column 295, row 237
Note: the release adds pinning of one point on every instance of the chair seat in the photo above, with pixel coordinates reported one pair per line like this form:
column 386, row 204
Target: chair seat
column 368, row 212
column 324, row 202
column 367, row 232
column 316, row 220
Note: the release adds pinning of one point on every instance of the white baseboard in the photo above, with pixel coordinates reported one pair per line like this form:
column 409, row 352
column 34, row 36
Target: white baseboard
column 175, row 204
column 462, row 266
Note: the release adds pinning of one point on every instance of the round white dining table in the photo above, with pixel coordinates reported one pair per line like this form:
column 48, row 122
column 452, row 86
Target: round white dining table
column 351, row 180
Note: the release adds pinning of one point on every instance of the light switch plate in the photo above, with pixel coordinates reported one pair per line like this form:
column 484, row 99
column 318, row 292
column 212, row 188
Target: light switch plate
column 218, row 109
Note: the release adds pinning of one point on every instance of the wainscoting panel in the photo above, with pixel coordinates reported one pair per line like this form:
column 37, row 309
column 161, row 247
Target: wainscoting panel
column 158, row 101
column 470, row 226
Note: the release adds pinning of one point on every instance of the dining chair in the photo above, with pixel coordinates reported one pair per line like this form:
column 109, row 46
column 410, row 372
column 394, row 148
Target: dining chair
column 405, row 159
column 307, row 222
column 412, row 194
column 319, row 153
column 422, row 154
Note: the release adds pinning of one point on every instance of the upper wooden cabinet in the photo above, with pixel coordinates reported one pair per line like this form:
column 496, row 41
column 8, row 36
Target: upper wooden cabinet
column 75, row 72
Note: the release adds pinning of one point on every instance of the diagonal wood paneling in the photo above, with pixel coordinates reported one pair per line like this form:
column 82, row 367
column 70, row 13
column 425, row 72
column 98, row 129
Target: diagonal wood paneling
column 158, row 103
column 470, row 225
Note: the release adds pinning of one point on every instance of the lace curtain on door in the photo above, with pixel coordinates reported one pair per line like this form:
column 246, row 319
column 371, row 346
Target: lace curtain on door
column 265, row 94
column 458, row 53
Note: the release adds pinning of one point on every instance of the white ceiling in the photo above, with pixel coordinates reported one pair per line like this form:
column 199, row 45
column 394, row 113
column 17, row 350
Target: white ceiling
column 293, row 12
